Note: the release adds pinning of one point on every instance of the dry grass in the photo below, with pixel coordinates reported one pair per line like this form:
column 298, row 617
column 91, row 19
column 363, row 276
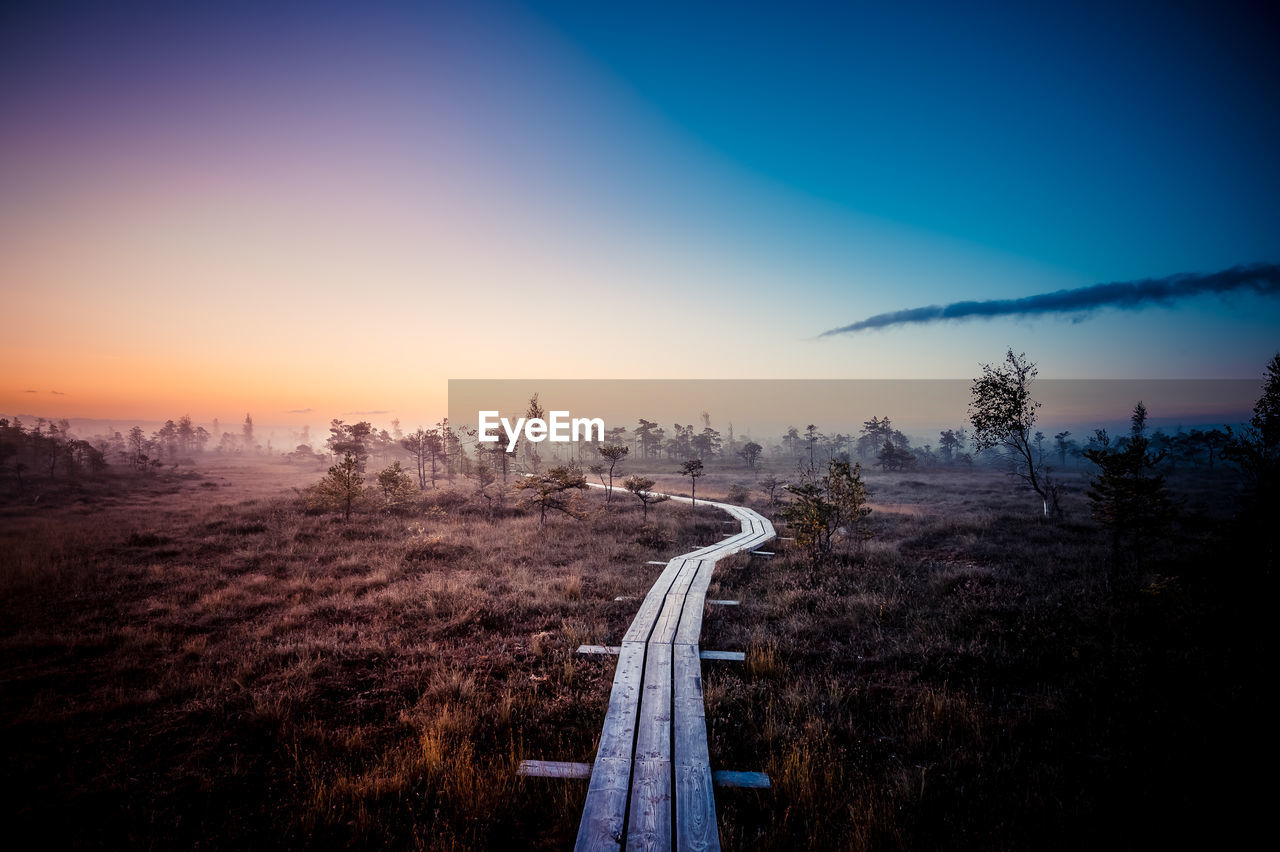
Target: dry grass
column 971, row 680
column 181, row 671
column 184, row 665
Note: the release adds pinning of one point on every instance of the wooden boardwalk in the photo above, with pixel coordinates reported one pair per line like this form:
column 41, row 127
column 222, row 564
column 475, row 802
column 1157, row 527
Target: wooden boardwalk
column 651, row 783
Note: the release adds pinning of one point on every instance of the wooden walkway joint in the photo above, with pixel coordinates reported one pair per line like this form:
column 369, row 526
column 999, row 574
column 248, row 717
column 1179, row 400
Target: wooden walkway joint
column 651, row 784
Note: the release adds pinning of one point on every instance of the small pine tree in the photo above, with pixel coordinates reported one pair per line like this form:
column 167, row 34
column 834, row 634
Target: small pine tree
column 1127, row 495
column 692, row 469
column 397, row 486
column 642, row 488
column 553, row 490
column 343, row 487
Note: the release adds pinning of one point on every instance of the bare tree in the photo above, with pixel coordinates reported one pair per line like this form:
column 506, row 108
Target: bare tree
column 770, row 486
column 1002, row 413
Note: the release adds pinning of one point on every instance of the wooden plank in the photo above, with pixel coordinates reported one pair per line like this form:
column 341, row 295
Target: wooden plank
column 599, row 649
column 617, row 737
column 696, row 827
column 654, row 562
column 714, row 602
column 651, row 818
column 695, row 803
column 732, row 656
column 728, row 778
column 554, row 769
column 652, row 758
column 651, row 814
column 691, row 617
column 603, row 822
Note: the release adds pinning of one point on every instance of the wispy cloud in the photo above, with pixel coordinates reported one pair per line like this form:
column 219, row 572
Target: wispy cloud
column 31, row 391
column 57, row 393
column 1263, row 278
column 379, row 411
column 300, row 411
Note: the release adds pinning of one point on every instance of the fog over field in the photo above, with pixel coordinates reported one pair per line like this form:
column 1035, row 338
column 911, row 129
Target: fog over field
column 926, row 372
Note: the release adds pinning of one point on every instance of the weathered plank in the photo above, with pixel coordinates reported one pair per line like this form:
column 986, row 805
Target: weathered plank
column 695, row 803
column 651, row 783
column 732, row 656
column 651, row 815
column 554, row 769
column 729, row 778
column 599, row 649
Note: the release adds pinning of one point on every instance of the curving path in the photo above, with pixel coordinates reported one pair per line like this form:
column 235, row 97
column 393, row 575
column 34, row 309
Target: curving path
column 651, row 785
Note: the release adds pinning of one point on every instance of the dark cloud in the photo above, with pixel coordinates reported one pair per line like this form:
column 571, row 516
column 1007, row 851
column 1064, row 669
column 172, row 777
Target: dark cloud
column 57, row 393
column 1263, row 278
column 31, row 391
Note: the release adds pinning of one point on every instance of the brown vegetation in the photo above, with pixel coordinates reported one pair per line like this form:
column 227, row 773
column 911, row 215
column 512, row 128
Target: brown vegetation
column 200, row 661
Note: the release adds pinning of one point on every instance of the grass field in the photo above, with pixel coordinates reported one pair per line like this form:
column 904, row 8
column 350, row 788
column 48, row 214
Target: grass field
column 196, row 662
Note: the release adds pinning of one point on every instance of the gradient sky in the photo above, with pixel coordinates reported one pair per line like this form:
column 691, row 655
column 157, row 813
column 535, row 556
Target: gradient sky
column 314, row 209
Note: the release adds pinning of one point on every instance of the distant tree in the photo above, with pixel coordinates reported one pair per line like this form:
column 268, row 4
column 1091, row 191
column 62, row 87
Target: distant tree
column 874, row 434
column 84, row 456
column 613, row 454
column 750, row 452
column 1038, row 440
column 648, row 442
column 706, row 443
column 950, row 444
column 692, row 468
column 1063, row 444
column 642, row 488
column 426, row 449
column 552, row 490
column 350, row 439
column 770, row 486
column 137, row 448
column 186, row 435
column 532, row 458
column 791, row 441
column 1002, row 413
column 417, row 445
column 1210, row 441
column 246, row 432
column 893, row 457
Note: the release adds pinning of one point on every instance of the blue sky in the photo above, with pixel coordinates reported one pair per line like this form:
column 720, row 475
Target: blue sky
column 614, row 190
